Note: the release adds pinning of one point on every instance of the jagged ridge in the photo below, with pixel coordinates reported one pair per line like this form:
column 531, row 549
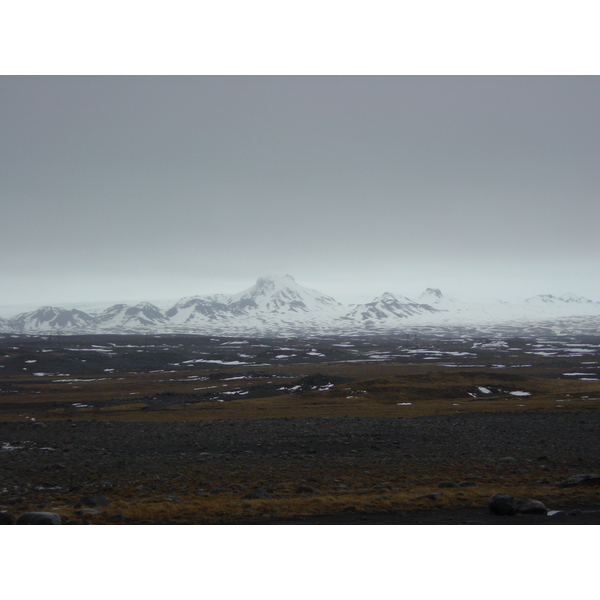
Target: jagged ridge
column 280, row 305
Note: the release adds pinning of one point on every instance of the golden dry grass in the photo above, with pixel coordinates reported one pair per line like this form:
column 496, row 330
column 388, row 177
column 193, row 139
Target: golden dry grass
column 221, row 509
column 393, row 391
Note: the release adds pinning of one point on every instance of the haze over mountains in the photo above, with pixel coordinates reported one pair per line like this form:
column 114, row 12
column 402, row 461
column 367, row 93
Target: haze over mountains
column 280, row 306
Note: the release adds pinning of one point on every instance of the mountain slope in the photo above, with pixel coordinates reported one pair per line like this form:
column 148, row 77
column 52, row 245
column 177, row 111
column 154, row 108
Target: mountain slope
column 280, row 295
column 434, row 297
column 559, row 300
column 141, row 315
column 197, row 310
column 388, row 307
column 50, row 317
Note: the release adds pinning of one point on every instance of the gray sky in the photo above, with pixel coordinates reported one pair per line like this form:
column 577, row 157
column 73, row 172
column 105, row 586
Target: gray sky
column 131, row 188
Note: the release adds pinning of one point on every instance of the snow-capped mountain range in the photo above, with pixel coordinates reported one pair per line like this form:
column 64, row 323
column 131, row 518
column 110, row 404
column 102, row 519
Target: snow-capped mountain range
column 280, row 306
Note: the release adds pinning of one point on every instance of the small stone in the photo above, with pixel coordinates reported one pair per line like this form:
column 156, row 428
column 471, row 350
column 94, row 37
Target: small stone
column 236, row 486
column 532, row 507
column 117, row 518
column 503, row 504
column 95, row 500
column 587, row 479
column 447, row 484
column 256, row 494
column 434, row 496
column 12, row 501
column 467, row 484
column 383, row 486
column 88, row 512
column 507, row 460
column 304, row 488
column 6, row 519
column 39, row 518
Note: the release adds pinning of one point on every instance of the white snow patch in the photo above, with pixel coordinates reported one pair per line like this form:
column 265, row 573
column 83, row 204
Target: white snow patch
column 216, row 362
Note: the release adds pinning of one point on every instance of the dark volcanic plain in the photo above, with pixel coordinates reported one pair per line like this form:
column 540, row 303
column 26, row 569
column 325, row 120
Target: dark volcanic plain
column 194, row 430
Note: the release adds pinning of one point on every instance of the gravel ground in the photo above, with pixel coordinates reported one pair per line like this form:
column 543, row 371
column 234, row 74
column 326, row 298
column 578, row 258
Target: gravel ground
column 41, row 460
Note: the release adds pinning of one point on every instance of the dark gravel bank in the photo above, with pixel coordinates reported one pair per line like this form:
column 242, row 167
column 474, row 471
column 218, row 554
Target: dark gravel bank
column 40, row 460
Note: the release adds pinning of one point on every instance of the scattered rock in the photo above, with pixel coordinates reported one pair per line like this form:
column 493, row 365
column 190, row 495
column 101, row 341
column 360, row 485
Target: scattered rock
column 12, row 501
column 467, row 484
column 94, row 500
column 117, row 518
column 257, row 494
column 434, row 496
column 383, row 486
column 88, row 512
column 503, row 504
column 6, row 519
column 447, row 484
column 236, row 486
column 532, row 507
column 39, row 518
column 587, row 479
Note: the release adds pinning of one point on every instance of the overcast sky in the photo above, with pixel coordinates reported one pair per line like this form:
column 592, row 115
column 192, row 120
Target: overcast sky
column 132, row 188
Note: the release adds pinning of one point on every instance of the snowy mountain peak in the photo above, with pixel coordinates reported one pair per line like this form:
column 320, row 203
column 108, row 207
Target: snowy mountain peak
column 564, row 299
column 142, row 315
column 284, row 285
column 51, row 317
column 274, row 281
column 279, row 295
column 542, row 298
column 570, row 297
column 434, row 296
column 388, row 307
column 388, row 297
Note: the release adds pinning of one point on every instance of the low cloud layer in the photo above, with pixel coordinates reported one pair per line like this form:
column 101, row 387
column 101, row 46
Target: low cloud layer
column 158, row 187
